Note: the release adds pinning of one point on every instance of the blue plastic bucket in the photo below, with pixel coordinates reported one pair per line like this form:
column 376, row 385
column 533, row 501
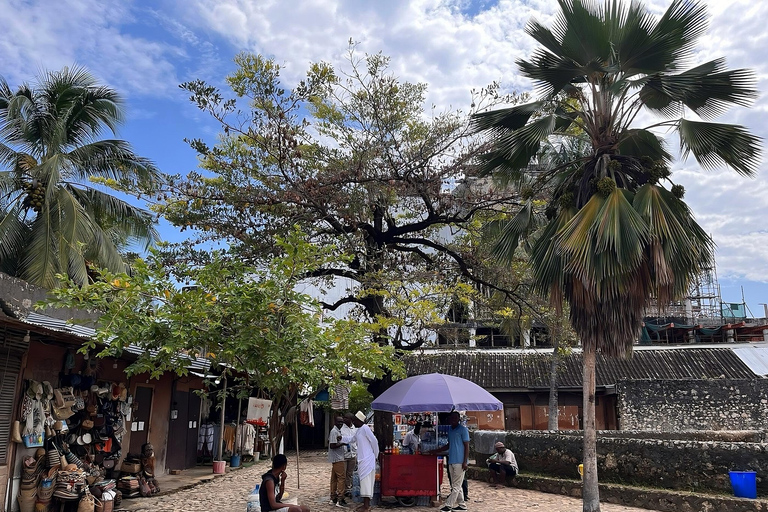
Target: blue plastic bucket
column 744, row 484
column 234, row 462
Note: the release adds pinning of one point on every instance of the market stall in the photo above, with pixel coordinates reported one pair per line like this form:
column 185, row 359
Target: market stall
column 409, row 476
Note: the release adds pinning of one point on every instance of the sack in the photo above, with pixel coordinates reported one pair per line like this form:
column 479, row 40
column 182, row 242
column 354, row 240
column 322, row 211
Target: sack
column 33, row 440
column 16, row 432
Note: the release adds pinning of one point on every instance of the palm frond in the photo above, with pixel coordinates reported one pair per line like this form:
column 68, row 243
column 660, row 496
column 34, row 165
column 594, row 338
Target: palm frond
column 714, row 145
column 114, row 159
column 708, row 90
column 510, row 231
column 639, row 143
column 504, row 119
column 515, row 150
column 132, row 223
column 40, row 262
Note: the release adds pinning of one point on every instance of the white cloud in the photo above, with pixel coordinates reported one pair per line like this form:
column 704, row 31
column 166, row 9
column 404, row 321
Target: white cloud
column 49, row 35
column 453, row 45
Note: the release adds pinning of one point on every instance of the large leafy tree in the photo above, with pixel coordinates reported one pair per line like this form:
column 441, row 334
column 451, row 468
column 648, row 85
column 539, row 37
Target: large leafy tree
column 54, row 219
column 350, row 155
column 617, row 232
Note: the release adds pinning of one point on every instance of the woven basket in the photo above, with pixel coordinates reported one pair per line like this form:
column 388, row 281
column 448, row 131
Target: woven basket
column 54, row 457
column 27, row 503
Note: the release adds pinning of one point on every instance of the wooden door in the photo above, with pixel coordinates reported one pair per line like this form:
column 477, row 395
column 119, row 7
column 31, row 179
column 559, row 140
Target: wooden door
column 512, row 418
column 140, row 423
column 193, row 426
column 177, row 431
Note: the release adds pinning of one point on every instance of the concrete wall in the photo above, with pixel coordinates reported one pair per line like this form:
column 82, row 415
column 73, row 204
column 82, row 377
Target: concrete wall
column 715, row 404
column 666, row 464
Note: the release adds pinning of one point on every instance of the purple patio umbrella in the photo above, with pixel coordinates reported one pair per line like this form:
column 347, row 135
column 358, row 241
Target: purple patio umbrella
column 437, row 393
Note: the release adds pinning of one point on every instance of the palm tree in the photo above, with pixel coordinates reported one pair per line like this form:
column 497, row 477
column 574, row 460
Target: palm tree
column 617, row 232
column 53, row 219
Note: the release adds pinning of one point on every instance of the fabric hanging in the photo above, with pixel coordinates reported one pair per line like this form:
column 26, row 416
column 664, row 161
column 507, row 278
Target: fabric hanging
column 307, row 413
column 340, row 397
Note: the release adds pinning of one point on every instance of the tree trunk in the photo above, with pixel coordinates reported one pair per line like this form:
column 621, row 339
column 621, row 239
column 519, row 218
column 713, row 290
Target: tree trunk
column 590, row 491
column 552, row 423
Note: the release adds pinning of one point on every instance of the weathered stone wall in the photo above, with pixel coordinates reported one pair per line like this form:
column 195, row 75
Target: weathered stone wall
column 666, row 464
column 675, row 405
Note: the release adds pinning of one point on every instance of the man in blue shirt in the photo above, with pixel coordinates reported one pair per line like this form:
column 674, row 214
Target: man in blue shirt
column 458, row 455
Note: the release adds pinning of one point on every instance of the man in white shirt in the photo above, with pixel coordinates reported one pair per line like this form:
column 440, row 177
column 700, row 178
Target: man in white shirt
column 503, row 461
column 350, row 451
column 412, row 440
column 367, row 455
column 336, row 458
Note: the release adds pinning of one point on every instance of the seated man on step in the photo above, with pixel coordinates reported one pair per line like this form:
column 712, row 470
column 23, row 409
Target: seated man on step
column 501, row 464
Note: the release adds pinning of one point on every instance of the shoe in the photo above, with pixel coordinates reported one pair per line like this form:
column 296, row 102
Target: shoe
column 446, row 509
column 460, row 507
column 342, row 503
column 331, row 502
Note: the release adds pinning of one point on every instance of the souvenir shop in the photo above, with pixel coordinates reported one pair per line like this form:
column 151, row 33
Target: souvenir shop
column 83, row 433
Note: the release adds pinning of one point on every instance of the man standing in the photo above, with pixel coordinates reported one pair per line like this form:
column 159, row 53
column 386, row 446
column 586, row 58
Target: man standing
column 501, row 461
column 350, row 452
column 458, row 456
column 412, row 440
column 367, row 455
column 338, row 466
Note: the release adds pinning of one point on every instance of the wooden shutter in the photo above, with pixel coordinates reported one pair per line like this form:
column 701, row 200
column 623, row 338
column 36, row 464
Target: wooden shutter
column 10, row 365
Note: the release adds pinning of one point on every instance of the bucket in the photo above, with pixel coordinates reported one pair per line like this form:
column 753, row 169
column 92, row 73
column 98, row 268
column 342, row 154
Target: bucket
column 256, row 456
column 744, row 484
column 234, row 462
column 219, row 467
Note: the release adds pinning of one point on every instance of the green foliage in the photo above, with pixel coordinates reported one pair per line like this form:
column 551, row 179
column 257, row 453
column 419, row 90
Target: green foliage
column 349, row 156
column 359, row 398
column 613, row 236
column 52, row 218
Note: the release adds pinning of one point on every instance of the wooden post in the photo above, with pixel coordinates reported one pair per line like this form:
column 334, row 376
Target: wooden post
column 296, row 431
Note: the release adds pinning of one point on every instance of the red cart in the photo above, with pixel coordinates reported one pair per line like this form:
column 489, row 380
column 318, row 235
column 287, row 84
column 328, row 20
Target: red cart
column 410, row 476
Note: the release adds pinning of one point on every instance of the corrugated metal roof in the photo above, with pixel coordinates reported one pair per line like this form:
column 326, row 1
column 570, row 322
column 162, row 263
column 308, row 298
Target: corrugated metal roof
column 57, row 325
column 754, row 357
column 510, row 370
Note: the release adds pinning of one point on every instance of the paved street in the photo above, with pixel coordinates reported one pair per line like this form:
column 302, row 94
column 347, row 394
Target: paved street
column 229, row 493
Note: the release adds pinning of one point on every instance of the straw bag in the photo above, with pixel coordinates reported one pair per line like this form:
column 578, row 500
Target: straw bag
column 53, row 457
column 27, row 503
column 87, row 502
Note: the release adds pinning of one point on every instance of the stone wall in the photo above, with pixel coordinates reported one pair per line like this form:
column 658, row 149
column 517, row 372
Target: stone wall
column 679, row 405
column 666, row 464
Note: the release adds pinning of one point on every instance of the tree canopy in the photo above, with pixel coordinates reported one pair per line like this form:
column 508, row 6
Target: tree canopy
column 246, row 321
column 352, row 157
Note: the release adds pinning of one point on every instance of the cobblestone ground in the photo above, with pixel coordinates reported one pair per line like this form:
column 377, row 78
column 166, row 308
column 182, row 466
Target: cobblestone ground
column 229, row 494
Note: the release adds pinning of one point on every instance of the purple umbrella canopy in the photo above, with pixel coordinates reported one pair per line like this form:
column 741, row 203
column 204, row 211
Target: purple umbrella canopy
column 435, row 392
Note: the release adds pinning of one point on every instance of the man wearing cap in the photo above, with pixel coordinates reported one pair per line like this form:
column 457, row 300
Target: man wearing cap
column 367, row 454
column 502, row 460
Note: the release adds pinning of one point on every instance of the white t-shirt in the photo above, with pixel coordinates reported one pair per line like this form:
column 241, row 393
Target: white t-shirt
column 507, row 456
column 411, row 441
column 350, row 453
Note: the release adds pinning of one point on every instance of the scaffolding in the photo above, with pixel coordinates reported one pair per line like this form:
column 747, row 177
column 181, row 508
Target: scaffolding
column 702, row 306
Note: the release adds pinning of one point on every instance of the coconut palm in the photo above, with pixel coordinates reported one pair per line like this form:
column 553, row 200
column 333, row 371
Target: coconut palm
column 53, row 217
column 617, row 232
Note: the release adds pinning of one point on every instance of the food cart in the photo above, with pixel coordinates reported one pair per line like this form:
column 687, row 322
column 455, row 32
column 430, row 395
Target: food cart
column 407, row 477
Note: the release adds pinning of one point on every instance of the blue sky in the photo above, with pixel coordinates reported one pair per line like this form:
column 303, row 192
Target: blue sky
column 145, row 49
